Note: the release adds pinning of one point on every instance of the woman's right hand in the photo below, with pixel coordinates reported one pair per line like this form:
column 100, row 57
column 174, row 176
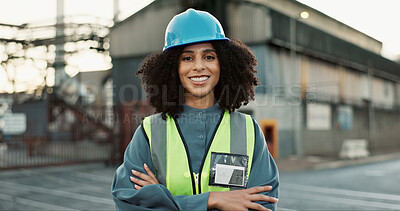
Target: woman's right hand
column 240, row 199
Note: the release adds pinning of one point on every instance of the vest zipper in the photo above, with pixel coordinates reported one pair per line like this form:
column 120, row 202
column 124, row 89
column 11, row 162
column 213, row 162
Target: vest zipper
column 188, row 157
column 207, row 149
column 196, row 177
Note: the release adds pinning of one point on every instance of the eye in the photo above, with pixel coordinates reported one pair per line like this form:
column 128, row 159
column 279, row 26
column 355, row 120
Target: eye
column 187, row 58
column 209, row 57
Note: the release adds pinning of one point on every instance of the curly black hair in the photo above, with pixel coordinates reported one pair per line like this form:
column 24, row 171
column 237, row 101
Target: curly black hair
column 160, row 77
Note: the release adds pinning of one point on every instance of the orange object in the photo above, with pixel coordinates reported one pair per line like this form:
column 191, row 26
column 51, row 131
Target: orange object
column 270, row 130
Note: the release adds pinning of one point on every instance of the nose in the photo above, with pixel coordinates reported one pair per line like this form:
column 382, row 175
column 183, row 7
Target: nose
column 198, row 64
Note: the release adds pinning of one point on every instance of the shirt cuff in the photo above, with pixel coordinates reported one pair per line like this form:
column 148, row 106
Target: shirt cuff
column 197, row 202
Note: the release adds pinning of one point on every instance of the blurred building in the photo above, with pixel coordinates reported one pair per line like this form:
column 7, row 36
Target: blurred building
column 322, row 82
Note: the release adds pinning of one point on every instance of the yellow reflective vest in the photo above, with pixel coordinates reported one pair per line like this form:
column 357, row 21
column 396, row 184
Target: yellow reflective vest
column 234, row 134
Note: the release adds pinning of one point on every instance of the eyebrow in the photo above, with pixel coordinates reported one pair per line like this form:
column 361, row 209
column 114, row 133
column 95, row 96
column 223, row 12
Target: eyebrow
column 204, row 51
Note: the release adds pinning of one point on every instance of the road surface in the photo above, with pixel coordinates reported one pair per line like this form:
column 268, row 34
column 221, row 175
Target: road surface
column 364, row 187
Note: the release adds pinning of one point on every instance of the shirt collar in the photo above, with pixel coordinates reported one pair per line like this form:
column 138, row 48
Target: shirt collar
column 215, row 109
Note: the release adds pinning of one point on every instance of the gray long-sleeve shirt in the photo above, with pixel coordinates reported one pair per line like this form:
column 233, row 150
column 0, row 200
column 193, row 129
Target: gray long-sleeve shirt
column 197, row 126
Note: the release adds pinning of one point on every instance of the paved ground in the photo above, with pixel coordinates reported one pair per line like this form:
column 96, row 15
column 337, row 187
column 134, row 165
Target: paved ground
column 370, row 186
column 87, row 186
column 77, row 187
column 295, row 163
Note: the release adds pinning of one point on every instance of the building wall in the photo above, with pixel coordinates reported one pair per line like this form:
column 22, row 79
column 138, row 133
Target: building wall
column 93, row 82
column 127, row 85
column 275, row 96
column 382, row 136
column 386, row 129
column 328, row 142
column 397, row 91
column 354, row 86
column 248, row 22
column 272, row 107
column 36, row 117
column 325, row 83
column 323, row 77
column 383, row 92
column 321, row 21
column 143, row 33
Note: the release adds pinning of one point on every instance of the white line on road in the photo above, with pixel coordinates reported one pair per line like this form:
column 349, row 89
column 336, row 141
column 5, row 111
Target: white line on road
column 284, row 209
column 61, row 193
column 340, row 200
column 94, row 177
column 342, row 192
column 69, row 181
column 31, row 203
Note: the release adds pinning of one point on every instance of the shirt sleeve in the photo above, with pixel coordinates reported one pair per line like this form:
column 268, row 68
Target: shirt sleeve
column 150, row 197
column 263, row 171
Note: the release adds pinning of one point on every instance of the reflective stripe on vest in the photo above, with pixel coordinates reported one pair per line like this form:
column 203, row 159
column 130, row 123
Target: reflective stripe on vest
column 234, row 134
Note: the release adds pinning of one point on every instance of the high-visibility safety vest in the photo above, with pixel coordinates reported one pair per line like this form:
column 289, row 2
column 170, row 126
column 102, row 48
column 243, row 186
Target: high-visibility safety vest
column 234, row 134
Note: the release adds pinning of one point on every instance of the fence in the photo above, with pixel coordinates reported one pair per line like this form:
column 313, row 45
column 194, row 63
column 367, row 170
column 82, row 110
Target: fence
column 58, row 133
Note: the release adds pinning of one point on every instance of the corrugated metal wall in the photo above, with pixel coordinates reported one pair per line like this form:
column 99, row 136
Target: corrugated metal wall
column 325, row 78
column 329, row 142
column 386, row 130
column 274, row 97
column 398, row 94
column 248, row 22
column 330, row 83
column 275, row 71
column 383, row 93
column 354, row 86
column 260, row 52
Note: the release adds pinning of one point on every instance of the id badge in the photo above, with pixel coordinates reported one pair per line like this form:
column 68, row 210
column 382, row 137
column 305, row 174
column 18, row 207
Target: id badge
column 228, row 170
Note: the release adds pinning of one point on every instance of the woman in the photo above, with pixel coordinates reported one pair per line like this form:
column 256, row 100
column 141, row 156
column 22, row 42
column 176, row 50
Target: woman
column 197, row 153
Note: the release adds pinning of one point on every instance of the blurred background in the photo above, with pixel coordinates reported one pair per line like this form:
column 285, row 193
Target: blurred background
column 328, row 103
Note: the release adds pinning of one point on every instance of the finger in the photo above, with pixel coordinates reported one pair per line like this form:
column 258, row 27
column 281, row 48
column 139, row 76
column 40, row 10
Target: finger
column 258, row 189
column 138, row 181
column 141, row 175
column 261, row 197
column 137, row 187
column 150, row 173
column 255, row 206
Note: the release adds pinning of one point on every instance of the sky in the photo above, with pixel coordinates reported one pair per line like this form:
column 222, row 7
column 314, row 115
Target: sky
column 376, row 18
column 31, row 11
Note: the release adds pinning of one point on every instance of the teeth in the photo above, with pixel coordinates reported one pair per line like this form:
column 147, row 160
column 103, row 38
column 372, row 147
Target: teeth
column 199, row 79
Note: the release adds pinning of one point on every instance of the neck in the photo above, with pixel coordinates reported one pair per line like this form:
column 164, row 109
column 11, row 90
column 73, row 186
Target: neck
column 200, row 102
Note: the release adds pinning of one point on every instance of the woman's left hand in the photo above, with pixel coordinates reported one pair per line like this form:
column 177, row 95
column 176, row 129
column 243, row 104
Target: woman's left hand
column 145, row 179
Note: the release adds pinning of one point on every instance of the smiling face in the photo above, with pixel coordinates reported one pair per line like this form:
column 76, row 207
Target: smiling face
column 199, row 73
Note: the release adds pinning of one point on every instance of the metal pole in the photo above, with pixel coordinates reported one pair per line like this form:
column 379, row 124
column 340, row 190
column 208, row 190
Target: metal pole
column 294, row 96
column 59, row 63
column 371, row 112
column 116, row 11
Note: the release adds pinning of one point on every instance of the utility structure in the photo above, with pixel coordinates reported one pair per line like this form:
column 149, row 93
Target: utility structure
column 58, row 125
column 48, row 41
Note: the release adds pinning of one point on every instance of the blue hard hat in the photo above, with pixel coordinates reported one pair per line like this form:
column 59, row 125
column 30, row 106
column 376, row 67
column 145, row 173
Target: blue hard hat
column 192, row 26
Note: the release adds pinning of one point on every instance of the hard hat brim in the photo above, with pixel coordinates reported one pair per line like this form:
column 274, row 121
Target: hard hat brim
column 193, row 42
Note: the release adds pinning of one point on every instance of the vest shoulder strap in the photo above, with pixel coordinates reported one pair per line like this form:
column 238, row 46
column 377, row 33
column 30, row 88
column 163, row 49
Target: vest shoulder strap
column 242, row 128
column 155, row 128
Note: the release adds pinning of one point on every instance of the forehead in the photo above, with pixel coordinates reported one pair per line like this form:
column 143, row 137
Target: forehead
column 199, row 46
